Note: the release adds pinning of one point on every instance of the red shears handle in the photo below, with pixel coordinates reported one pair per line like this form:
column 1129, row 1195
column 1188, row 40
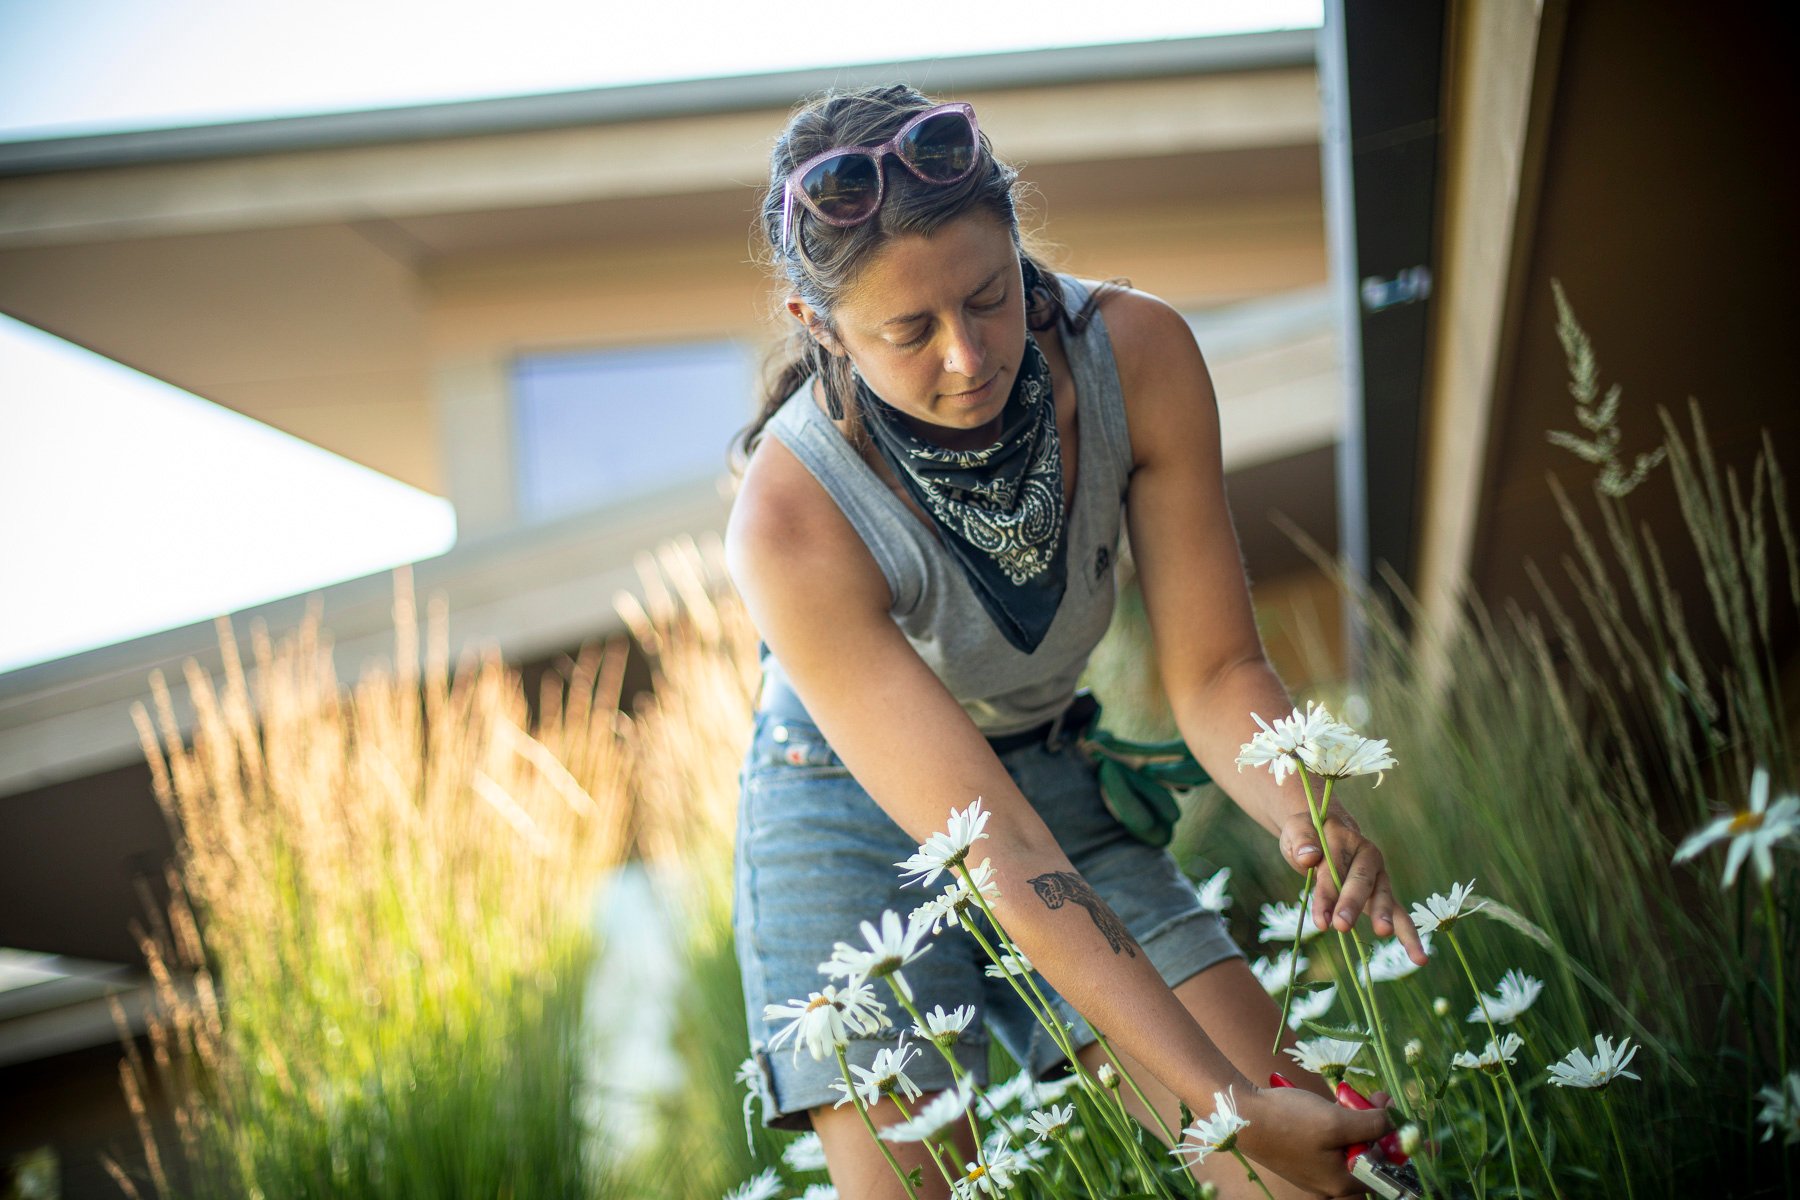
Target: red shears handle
column 1349, row 1097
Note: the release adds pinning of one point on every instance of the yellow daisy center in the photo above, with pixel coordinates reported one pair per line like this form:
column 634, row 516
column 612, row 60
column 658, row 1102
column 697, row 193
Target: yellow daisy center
column 976, row 1172
column 818, row 1002
column 1745, row 821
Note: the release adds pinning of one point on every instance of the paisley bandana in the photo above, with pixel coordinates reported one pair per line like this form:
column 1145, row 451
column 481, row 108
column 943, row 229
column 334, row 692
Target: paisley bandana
column 999, row 509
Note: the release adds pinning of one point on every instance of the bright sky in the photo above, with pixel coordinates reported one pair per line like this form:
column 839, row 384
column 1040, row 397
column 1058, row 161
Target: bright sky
column 111, row 524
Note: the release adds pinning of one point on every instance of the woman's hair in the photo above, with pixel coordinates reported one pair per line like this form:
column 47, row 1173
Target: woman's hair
column 822, row 261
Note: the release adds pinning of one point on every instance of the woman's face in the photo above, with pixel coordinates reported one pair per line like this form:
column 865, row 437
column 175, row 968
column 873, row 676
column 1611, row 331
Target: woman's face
column 936, row 327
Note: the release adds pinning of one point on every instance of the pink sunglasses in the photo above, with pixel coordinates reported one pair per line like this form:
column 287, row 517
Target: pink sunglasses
column 843, row 186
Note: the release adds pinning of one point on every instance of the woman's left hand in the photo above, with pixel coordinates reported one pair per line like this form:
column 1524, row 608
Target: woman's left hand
column 1364, row 872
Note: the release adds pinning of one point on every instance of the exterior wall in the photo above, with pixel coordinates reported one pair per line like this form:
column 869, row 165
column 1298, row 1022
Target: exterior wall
column 1632, row 164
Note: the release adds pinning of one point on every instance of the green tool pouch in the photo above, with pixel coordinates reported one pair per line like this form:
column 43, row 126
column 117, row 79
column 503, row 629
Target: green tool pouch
column 1138, row 780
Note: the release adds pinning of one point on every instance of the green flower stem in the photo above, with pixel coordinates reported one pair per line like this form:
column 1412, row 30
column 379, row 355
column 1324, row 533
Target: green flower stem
column 1618, row 1142
column 1366, row 999
column 1524, row 1116
column 1287, row 995
column 956, row 1072
column 1093, row 1192
column 1779, row 971
column 951, row 1172
column 1047, row 1016
column 1048, row 1021
column 1506, row 1124
column 1126, row 1076
column 1251, row 1172
column 862, row 1110
column 1427, row 1163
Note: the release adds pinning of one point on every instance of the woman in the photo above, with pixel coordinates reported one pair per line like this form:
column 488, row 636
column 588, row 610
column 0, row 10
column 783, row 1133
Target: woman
column 925, row 536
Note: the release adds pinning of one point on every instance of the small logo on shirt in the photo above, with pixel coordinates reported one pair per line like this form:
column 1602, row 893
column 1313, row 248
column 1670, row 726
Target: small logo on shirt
column 1102, row 560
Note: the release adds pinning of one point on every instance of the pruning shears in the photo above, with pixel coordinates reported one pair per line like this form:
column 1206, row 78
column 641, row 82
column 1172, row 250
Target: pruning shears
column 1380, row 1165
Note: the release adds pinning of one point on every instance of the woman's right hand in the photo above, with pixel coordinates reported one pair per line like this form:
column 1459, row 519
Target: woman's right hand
column 1301, row 1136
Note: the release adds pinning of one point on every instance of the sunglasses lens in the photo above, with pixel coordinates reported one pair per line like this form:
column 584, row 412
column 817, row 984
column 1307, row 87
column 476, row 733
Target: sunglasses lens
column 845, row 187
column 941, row 148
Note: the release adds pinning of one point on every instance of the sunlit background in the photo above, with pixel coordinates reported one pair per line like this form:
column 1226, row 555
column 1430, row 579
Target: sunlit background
column 109, row 477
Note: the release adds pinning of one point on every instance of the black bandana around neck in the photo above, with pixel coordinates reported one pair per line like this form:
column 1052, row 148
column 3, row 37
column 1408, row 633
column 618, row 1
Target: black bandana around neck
column 999, row 509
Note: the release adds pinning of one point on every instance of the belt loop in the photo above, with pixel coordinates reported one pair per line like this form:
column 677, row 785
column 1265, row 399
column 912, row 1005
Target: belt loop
column 1054, row 742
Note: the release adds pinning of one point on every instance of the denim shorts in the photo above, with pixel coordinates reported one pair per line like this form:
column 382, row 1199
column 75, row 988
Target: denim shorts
column 815, row 857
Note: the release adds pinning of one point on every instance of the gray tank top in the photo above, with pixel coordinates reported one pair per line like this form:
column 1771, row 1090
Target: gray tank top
column 1003, row 689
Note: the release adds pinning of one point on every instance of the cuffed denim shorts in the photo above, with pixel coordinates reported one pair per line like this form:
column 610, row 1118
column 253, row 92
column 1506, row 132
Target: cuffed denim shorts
column 815, row 858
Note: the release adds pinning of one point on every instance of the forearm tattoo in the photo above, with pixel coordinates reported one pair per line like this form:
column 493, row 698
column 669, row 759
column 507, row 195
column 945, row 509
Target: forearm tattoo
column 1059, row 887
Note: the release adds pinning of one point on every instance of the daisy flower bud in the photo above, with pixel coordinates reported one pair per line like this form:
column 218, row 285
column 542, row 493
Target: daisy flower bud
column 1441, row 1006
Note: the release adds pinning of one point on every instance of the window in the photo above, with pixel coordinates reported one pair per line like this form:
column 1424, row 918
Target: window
column 596, row 427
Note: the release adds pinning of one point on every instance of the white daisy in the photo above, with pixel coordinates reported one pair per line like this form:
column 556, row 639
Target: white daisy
column 1753, row 831
column 944, row 1028
column 804, row 1153
column 1441, row 912
column 884, row 1075
column 1003, row 1095
column 1310, row 1006
column 1211, row 894
column 1049, row 1091
column 1030, row 1154
column 1608, row 1063
column 765, row 1186
column 819, row 1191
column 1781, row 1109
column 825, row 1019
column 1328, row 1057
column 947, row 1106
column 1414, row 1050
column 1340, row 752
column 1278, row 974
column 1285, row 922
column 1214, row 1133
column 994, row 1177
column 1492, row 1055
column 1051, row 1123
column 891, row 947
column 1518, row 992
column 1389, row 961
column 948, row 906
column 1010, row 964
column 942, row 851
column 1276, row 745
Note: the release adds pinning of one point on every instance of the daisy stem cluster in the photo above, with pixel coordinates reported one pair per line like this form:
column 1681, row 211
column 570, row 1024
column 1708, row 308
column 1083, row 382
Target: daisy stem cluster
column 1121, row 1121
column 1524, row 1116
column 939, row 1153
column 1118, row 1066
column 862, row 1110
column 1362, row 985
column 1287, row 993
column 956, row 1071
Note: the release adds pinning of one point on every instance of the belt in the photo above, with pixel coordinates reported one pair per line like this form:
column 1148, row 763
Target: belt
column 1069, row 722
column 781, row 702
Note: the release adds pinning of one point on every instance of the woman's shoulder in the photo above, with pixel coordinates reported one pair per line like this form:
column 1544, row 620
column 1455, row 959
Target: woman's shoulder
column 783, row 519
column 1148, row 334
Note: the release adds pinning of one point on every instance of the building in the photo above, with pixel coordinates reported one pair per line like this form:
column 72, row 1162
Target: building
column 450, row 293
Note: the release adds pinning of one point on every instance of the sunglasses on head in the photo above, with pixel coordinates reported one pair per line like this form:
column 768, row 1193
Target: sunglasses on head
column 842, row 186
